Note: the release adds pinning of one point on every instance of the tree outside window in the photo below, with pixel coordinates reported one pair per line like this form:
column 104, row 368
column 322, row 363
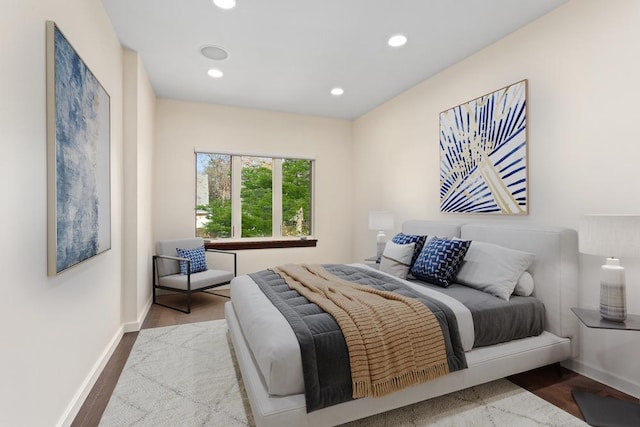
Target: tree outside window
column 273, row 194
column 296, row 197
column 256, row 196
column 213, row 195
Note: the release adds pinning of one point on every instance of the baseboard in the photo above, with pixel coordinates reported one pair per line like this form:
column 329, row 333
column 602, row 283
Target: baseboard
column 619, row 383
column 90, row 381
column 137, row 325
column 77, row 401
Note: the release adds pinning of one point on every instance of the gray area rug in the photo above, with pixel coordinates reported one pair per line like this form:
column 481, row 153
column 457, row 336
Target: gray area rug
column 186, row 375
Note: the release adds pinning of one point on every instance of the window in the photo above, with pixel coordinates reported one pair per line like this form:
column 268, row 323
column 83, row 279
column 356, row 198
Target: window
column 256, row 196
column 213, row 195
column 245, row 196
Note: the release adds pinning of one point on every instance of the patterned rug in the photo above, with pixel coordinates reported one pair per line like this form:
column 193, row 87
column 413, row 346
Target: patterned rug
column 186, row 375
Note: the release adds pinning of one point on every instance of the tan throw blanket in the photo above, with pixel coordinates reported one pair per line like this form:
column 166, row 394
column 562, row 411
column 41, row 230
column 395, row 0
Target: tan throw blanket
column 393, row 341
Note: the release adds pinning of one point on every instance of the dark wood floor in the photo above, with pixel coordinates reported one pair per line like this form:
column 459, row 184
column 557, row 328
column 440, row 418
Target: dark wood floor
column 204, row 307
column 551, row 383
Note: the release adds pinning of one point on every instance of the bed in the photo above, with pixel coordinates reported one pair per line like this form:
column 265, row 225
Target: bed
column 276, row 399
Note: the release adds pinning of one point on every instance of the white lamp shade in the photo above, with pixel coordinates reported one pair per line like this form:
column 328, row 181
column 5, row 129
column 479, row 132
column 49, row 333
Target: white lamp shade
column 610, row 235
column 380, row 220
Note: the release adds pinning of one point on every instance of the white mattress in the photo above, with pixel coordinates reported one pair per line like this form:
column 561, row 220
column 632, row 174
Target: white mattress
column 275, row 346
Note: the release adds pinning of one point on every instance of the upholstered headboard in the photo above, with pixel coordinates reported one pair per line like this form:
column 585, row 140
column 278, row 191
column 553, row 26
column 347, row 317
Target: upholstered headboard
column 431, row 228
column 554, row 270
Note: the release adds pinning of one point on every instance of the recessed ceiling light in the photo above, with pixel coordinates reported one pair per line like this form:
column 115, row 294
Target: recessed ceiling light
column 215, row 73
column 337, row 91
column 214, row 52
column 225, row 4
column 397, row 40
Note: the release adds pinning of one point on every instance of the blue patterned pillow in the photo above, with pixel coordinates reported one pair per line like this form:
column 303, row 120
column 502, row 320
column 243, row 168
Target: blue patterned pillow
column 405, row 239
column 197, row 258
column 440, row 260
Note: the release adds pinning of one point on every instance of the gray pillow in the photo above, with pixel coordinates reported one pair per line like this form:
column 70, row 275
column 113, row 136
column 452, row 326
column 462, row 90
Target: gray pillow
column 396, row 259
column 493, row 269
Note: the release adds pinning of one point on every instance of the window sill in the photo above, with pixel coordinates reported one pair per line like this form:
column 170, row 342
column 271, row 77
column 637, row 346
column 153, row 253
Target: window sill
column 233, row 245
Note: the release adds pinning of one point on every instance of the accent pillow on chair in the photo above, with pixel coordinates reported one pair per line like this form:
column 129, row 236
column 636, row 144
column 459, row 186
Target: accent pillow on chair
column 396, row 259
column 197, row 258
column 440, row 260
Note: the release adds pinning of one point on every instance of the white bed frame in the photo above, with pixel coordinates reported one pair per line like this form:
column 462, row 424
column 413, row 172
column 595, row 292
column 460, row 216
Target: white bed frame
column 555, row 273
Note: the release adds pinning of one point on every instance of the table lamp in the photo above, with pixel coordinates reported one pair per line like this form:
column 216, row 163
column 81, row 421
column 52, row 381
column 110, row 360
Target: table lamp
column 380, row 220
column 612, row 236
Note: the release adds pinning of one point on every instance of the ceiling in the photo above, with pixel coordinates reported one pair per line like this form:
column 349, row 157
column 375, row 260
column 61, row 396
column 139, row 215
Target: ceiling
column 286, row 55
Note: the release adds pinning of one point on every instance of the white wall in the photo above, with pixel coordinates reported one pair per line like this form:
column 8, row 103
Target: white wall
column 146, row 138
column 582, row 62
column 55, row 330
column 139, row 113
column 183, row 126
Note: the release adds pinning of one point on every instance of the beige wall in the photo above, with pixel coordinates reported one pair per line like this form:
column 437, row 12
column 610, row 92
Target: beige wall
column 56, row 331
column 183, row 126
column 146, row 138
column 139, row 113
column 582, row 62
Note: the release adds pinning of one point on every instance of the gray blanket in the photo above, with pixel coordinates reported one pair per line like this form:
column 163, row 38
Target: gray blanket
column 325, row 357
column 496, row 320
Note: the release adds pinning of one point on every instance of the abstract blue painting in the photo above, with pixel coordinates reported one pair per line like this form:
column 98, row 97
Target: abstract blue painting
column 483, row 154
column 78, row 151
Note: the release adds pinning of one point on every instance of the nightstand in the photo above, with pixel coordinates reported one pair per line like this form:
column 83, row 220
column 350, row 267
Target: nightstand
column 373, row 262
column 606, row 411
column 592, row 319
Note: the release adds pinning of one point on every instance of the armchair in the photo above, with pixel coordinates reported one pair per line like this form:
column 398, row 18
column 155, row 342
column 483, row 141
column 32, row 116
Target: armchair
column 167, row 273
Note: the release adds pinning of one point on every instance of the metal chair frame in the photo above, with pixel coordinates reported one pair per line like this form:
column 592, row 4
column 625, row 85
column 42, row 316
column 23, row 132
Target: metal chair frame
column 187, row 291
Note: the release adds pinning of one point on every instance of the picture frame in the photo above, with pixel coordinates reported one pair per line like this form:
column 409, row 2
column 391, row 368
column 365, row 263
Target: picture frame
column 484, row 154
column 78, row 157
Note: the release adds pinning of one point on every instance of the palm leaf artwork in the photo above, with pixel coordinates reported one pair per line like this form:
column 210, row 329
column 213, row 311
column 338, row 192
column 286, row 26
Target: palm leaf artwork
column 483, row 154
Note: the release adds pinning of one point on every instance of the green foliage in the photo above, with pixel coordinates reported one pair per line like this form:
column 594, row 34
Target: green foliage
column 256, row 196
column 296, row 196
column 257, row 199
column 217, row 169
column 218, row 225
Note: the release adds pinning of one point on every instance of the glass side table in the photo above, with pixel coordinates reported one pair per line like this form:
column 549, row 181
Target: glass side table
column 599, row 410
column 592, row 319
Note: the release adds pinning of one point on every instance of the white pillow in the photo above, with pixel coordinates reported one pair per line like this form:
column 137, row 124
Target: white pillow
column 524, row 287
column 396, row 259
column 493, row 269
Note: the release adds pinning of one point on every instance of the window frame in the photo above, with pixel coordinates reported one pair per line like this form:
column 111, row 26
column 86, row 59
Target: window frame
column 276, row 240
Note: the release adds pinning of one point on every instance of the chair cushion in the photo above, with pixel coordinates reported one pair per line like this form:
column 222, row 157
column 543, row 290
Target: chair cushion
column 201, row 280
column 168, row 247
column 196, row 256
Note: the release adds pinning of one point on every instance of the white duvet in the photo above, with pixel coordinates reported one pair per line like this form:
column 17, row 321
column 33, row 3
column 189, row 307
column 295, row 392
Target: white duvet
column 275, row 347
